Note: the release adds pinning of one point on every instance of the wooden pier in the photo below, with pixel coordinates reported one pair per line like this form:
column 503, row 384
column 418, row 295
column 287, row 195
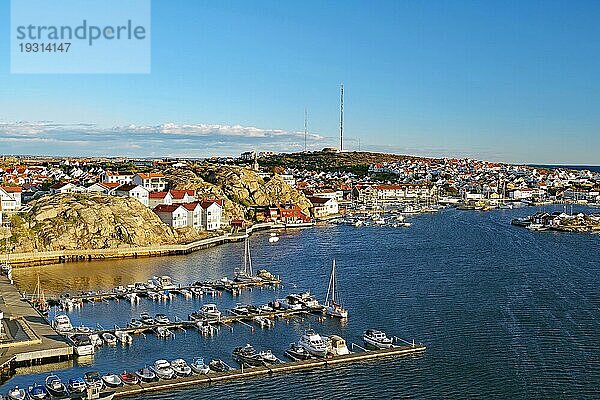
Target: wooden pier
column 285, row 367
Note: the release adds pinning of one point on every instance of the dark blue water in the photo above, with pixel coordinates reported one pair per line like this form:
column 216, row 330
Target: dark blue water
column 504, row 312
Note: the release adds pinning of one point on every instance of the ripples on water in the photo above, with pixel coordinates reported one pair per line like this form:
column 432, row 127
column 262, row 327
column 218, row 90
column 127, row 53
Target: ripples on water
column 504, row 312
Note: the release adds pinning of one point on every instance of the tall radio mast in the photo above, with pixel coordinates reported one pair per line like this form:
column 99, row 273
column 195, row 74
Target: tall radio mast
column 342, row 117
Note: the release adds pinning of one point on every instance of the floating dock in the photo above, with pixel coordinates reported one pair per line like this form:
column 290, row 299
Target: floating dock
column 285, row 367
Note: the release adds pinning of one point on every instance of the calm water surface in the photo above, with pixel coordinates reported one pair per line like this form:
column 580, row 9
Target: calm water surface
column 504, row 312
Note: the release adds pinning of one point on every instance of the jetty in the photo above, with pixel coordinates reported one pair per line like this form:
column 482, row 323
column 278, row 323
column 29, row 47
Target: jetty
column 284, row 367
column 26, row 338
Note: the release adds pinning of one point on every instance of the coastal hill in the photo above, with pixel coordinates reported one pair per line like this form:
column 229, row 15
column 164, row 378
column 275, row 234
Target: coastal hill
column 81, row 221
column 240, row 187
column 332, row 161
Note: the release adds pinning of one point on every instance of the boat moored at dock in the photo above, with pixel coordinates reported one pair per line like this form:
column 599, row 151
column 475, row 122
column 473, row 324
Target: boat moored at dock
column 377, row 339
column 313, row 343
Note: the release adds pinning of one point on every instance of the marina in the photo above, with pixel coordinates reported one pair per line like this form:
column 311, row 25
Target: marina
column 411, row 307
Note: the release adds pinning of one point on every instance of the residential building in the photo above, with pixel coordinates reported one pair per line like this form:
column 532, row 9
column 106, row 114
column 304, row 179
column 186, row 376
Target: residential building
column 212, row 211
column 174, row 215
column 10, row 197
column 137, row 192
column 103, row 188
column 66, row 187
column 125, row 178
column 183, row 196
column 194, row 214
column 323, row 207
column 156, row 198
column 153, row 181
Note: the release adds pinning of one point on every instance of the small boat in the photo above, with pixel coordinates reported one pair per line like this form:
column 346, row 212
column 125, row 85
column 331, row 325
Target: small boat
column 132, row 297
column 76, row 385
column 146, row 375
column 338, row 346
column 199, row 367
column 62, row 323
column 155, row 296
column 186, row 294
column 161, row 319
column 205, row 328
column 83, row 329
column 147, row 319
column 95, row 393
column 112, row 380
column 123, row 337
column 56, row 388
column 265, row 275
column 139, row 286
column 273, row 238
column 207, row 312
column 16, row 393
column 136, row 324
column 163, row 369
column 180, row 367
column 218, row 366
column 313, row 343
column 129, row 378
column 290, row 302
column 109, row 338
column 537, row 227
column 165, row 282
column 264, row 322
column 96, row 340
column 247, row 355
column 333, row 306
column 163, row 332
column 297, row 352
column 93, row 379
column 38, row 392
column 240, row 310
column 377, row 339
column 82, row 344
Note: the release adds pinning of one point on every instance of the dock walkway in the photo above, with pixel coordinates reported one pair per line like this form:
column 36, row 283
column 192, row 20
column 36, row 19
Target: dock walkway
column 285, row 367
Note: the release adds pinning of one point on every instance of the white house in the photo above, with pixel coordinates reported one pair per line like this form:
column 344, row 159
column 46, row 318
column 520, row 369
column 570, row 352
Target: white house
column 322, row 207
column 10, row 198
column 174, row 215
column 116, row 177
column 194, row 215
column 156, row 198
column 183, row 196
column 153, row 181
column 103, row 187
column 66, row 187
column 212, row 211
column 135, row 191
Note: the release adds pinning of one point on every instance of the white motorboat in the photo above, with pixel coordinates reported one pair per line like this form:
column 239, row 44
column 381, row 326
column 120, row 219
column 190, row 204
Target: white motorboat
column 297, row 352
column 333, row 306
column 62, row 323
column 82, row 344
column 109, row 338
column 17, row 393
column 166, row 282
column 537, row 227
column 199, row 367
column 377, row 339
column 83, row 329
column 313, row 343
column 133, row 298
column 273, row 238
column 96, row 340
column 163, row 332
column 264, row 322
column 186, row 294
column 338, row 346
column 146, row 319
column 291, row 302
column 161, row 319
column 123, row 337
column 163, row 369
column 180, row 367
column 112, row 380
column 209, row 312
column 56, row 388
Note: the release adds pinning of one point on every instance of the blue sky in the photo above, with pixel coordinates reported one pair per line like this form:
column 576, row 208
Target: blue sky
column 514, row 81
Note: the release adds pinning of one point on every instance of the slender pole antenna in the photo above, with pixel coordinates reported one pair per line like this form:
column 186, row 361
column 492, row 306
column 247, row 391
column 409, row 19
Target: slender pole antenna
column 305, row 127
column 342, row 117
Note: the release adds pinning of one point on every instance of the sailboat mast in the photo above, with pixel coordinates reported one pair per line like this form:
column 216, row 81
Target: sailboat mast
column 249, row 259
column 246, row 256
column 333, row 299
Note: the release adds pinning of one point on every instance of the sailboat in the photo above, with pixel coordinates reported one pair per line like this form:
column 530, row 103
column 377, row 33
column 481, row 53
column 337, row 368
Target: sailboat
column 245, row 275
column 39, row 300
column 333, row 305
